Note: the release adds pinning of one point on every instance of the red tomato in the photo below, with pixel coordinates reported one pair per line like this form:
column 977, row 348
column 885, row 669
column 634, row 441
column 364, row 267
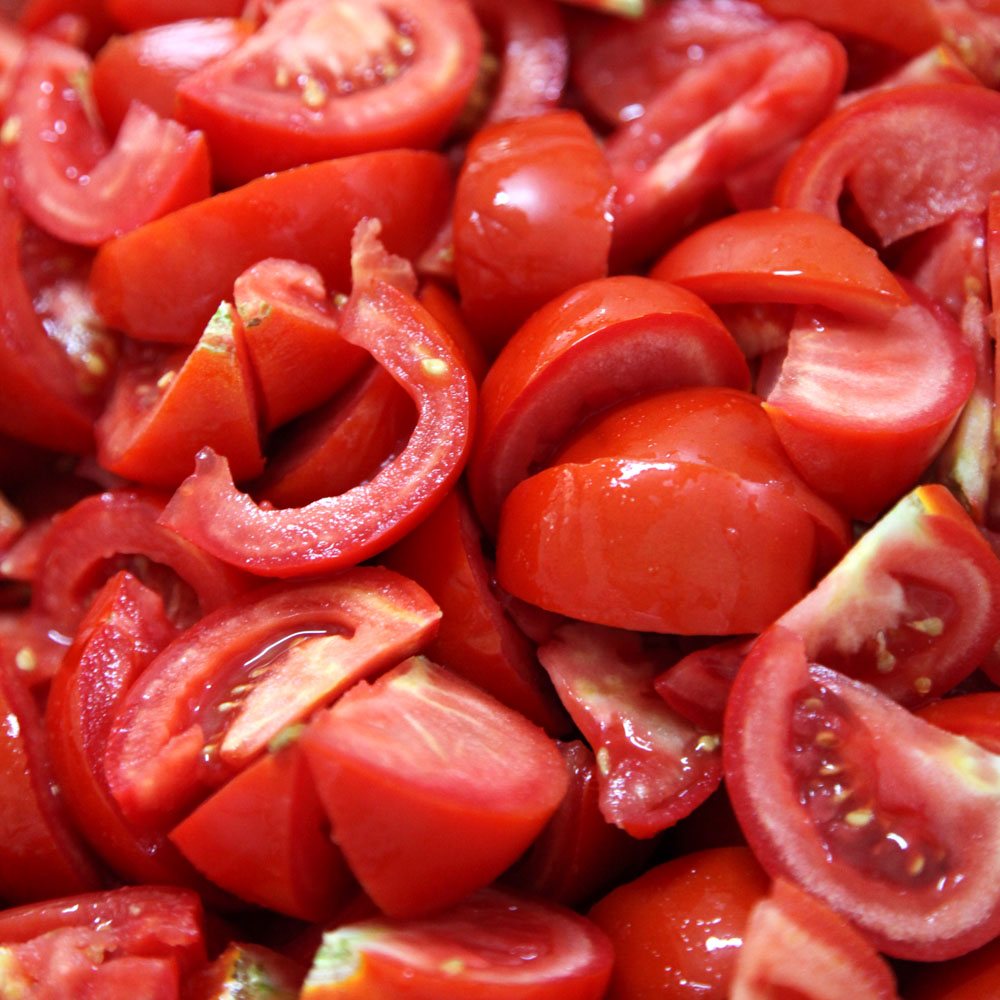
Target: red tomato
column 218, row 694
column 795, row 945
column 595, row 345
column 432, row 787
column 678, row 928
column 145, row 285
column 495, row 945
column 863, row 804
column 137, row 14
column 969, row 977
column 531, row 219
column 975, row 716
column 62, row 172
column 318, row 81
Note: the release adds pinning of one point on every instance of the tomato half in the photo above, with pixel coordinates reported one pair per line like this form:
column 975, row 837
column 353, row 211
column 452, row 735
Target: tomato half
column 317, row 81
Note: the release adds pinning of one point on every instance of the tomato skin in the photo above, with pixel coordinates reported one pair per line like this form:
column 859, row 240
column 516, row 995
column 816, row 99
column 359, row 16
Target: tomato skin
column 465, row 953
column 971, row 715
column 968, row 977
column 255, row 123
column 676, row 929
column 143, row 283
column 134, row 15
column 531, row 219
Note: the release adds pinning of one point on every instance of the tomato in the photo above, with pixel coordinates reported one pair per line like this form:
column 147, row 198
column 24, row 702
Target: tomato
column 971, row 715
column 862, row 804
column 137, row 14
column 336, row 531
column 494, row 945
column 217, row 695
column 968, row 977
column 73, row 186
column 678, row 928
column 432, row 787
column 781, row 255
column 889, row 151
column 795, row 943
column 248, row 970
column 595, row 345
column 147, row 65
column 317, row 81
column 143, row 283
column 531, row 219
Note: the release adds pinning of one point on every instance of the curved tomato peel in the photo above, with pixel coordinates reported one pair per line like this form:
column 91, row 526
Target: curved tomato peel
column 339, row 531
column 862, row 804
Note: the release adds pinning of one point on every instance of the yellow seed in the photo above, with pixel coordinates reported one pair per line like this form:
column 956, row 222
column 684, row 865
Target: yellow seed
column 313, row 93
column 916, row 865
column 923, row 684
column 94, row 363
column 166, row 378
column 825, row 738
column 830, row 768
column 929, row 626
column 10, row 131
column 26, row 659
column 434, row 366
column 708, row 743
column 859, row 817
column 603, row 760
column 884, row 660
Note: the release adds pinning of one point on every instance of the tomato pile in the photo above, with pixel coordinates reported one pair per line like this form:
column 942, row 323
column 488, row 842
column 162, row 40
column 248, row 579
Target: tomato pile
column 499, row 498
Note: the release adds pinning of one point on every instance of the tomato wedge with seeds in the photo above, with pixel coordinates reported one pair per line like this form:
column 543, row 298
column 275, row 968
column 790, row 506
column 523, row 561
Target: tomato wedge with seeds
column 217, row 695
column 863, row 804
column 320, row 80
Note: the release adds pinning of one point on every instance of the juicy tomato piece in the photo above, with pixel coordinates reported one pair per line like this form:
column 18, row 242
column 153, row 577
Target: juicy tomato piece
column 968, row 977
column 217, row 695
column 596, row 345
column 124, row 629
column 528, row 40
column 290, row 864
column 531, row 219
column 432, row 787
column 620, row 66
column 77, row 188
column 292, row 337
column 137, row 14
column 249, row 971
column 317, row 81
column 80, row 22
column 147, row 65
column 782, row 255
column 333, row 532
column 341, row 444
column 862, row 433
column 143, row 283
column 476, row 640
column 863, row 804
column 119, row 529
column 974, row 716
column 745, row 100
column 795, row 944
column 579, row 854
column 168, row 404
column 494, row 945
column 444, row 307
column 909, row 158
column 678, row 928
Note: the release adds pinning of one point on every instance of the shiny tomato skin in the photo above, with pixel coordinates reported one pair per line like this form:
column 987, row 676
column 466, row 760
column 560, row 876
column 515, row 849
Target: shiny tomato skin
column 135, row 15
column 316, row 82
column 677, row 928
column 975, row 716
column 531, row 219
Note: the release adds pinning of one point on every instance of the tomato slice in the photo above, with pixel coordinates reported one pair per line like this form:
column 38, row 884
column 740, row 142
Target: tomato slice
column 495, row 945
column 143, row 283
column 894, row 148
column 593, row 346
column 654, row 767
column 218, row 694
column 338, row 531
column 317, row 81
column 863, row 804
column 782, row 255
column 75, row 187
column 137, row 14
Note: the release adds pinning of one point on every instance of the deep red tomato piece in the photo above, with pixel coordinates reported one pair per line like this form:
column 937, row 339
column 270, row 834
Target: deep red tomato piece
column 975, row 716
column 432, row 787
column 167, row 404
column 678, row 928
column 338, row 531
column 146, row 65
column 137, row 14
column 968, row 977
column 890, row 151
column 782, row 255
column 863, row 804
column 288, row 864
column 144, row 284
column 86, row 22
column 216, row 697
column 495, row 945
column 317, row 81
column 73, row 185
column 596, row 345
column 654, row 767
column 124, row 629
column 292, row 335
column 531, row 219
column 795, row 945
column 476, row 640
